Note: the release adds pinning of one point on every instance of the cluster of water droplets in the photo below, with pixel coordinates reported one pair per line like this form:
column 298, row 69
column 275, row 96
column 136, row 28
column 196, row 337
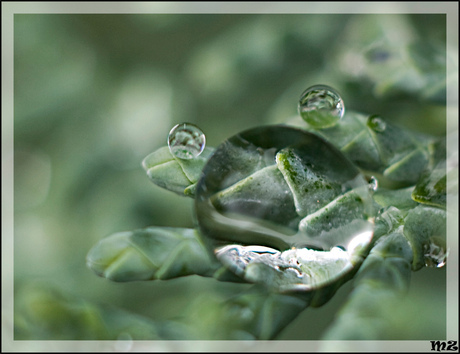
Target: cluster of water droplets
column 255, row 222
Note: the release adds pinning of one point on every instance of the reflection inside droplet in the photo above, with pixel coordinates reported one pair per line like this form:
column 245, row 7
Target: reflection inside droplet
column 186, row 141
column 321, row 106
column 373, row 183
column 297, row 220
column 435, row 253
column 376, row 123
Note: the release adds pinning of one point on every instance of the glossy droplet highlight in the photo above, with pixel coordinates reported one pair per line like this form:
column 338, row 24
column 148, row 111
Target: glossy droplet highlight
column 321, row 106
column 435, row 253
column 186, row 141
column 373, row 184
column 376, row 123
column 281, row 206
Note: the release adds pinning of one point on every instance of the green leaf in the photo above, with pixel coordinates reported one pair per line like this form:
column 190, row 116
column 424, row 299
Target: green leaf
column 388, row 221
column 369, row 53
column 398, row 198
column 174, row 174
column 255, row 314
column 254, row 186
column 382, row 281
column 431, row 189
column 151, row 253
column 430, row 62
column 404, row 154
column 377, row 146
column 425, row 229
column 336, row 214
column 310, row 189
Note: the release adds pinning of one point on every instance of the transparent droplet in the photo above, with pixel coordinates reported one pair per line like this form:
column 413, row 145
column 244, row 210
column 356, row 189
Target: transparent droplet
column 435, row 253
column 281, row 206
column 186, row 141
column 373, row 184
column 321, row 106
column 376, row 123
column 124, row 342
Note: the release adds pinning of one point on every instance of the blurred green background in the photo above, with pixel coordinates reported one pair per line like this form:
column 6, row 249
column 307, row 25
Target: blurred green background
column 95, row 93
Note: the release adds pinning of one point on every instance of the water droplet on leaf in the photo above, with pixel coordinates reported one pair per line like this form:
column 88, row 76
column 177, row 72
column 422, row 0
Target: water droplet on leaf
column 435, row 253
column 281, row 206
column 186, row 141
column 376, row 123
column 321, row 106
column 373, row 183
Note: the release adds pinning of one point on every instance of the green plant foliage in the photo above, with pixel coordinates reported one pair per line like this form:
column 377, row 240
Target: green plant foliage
column 152, row 253
column 173, row 173
column 425, row 228
column 47, row 313
column 95, row 96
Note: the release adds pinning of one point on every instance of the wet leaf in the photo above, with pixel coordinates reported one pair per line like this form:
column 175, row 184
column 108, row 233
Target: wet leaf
column 425, row 228
column 175, row 174
column 382, row 280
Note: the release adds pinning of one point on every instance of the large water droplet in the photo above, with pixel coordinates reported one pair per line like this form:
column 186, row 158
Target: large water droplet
column 186, row 141
column 281, row 206
column 321, row 106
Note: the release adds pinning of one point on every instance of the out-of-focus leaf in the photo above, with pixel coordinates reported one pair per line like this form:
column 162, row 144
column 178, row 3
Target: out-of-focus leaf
column 403, row 153
column 254, row 314
column 45, row 313
column 151, row 253
column 388, row 53
column 175, row 174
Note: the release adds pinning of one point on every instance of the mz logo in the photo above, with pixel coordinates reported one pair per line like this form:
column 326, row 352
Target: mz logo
column 439, row 346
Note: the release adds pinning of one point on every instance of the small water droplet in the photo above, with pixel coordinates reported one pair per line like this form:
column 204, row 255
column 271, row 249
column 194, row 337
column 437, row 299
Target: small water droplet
column 373, row 183
column 435, row 254
column 376, row 123
column 186, row 141
column 321, row 106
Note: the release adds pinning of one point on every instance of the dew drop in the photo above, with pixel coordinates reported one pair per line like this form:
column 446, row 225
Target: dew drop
column 435, row 254
column 321, row 106
column 373, row 184
column 376, row 123
column 186, row 141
